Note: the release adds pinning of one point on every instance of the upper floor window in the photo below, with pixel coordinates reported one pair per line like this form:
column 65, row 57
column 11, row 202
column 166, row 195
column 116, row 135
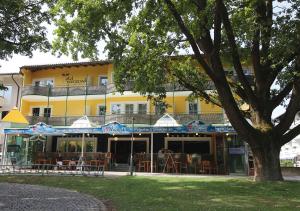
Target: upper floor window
column 47, row 112
column 103, row 80
column 35, row 111
column 101, row 110
column 44, row 82
column 128, row 108
column 142, row 108
column 116, row 108
column 193, row 108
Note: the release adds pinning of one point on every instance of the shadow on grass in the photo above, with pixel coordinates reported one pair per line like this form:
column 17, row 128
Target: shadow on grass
column 169, row 193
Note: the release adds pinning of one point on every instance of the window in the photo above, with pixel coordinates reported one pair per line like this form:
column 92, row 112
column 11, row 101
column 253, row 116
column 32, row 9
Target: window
column 46, row 82
column 160, row 108
column 75, row 144
column 116, row 108
column 142, row 108
column 193, row 108
column 101, row 110
column 103, row 80
column 129, row 109
column 47, row 112
column 35, row 111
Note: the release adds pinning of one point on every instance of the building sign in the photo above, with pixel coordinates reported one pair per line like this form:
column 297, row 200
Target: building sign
column 70, row 80
column 116, row 128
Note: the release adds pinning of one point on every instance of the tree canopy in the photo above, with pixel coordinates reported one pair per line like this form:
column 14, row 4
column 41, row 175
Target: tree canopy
column 223, row 37
column 22, row 27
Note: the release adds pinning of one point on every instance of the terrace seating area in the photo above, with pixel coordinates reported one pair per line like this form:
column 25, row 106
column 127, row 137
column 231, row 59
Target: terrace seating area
column 168, row 162
column 72, row 160
column 163, row 162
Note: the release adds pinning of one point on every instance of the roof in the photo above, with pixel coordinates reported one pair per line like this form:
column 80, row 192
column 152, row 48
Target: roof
column 9, row 74
column 15, row 116
column 61, row 65
column 82, row 122
column 166, row 121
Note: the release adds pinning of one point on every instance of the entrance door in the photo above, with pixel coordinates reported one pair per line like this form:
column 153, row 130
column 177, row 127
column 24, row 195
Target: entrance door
column 121, row 149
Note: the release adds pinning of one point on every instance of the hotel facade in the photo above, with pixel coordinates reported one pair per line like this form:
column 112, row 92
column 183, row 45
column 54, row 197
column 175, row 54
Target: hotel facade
column 59, row 94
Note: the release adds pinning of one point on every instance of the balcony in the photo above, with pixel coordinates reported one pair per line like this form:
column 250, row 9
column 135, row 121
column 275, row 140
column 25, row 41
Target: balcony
column 89, row 90
column 63, row 91
column 209, row 118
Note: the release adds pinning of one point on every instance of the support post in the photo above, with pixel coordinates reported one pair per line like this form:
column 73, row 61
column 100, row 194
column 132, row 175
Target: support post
column 85, row 98
column 105, row 107
column 131, row 149
column 152, row 152
column 4, row 149
column 66, row 108
column 48, row 104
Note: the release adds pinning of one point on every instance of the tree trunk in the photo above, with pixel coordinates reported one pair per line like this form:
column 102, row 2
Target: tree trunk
column 266, row 160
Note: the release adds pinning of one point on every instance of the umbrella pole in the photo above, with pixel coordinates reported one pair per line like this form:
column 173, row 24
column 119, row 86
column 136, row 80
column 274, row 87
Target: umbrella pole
column 26, row 150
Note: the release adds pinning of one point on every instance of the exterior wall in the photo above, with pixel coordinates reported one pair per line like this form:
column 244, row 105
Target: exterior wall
column 10, row 97
column 76, row 76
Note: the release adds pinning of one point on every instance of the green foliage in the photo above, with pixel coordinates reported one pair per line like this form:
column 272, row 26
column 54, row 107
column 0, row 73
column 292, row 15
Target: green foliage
column 22, row 27
column 2, row 87
column 141, row 35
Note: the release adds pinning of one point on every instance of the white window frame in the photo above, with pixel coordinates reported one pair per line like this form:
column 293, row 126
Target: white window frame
column 132, row 108
column 135, row 106
column 97, row 112
column 43, row 79
column 41, row 110
column 137, row 109
column 188, row 107
column 99, row 81
column 111, row 108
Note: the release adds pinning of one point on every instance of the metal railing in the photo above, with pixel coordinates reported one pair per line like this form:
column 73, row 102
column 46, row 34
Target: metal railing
column 50, row 169
column 90, row 90
column 207, row 118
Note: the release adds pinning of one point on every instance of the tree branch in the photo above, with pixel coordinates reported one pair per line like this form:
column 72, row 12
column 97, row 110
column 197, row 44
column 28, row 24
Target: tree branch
column 191, row 39
column 293, row 107
column 235, row 55
column 291, row 134
column 276, row 100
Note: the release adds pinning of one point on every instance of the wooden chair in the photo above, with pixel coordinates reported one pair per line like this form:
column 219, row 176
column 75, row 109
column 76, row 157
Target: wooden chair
column 208, row 167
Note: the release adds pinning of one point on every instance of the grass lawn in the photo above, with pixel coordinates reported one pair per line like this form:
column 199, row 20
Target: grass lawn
column 175, row 193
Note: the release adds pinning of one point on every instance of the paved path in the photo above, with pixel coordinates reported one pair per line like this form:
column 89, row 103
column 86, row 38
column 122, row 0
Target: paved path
column 33, row 197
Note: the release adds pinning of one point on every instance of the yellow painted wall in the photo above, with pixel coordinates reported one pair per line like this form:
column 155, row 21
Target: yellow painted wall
column 59, row 75
column 77, row 107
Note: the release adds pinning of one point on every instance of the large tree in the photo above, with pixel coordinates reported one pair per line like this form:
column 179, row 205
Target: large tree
column 23, row 27
column 223, row 36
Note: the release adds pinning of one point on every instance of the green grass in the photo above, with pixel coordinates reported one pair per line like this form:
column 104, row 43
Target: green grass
column 175, row 193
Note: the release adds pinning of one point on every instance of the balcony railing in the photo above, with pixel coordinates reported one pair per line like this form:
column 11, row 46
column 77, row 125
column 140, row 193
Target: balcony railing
column 209, row 118
column 89, row 90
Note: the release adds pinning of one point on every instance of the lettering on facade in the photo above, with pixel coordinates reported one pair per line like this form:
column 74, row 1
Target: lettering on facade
column 71, row 80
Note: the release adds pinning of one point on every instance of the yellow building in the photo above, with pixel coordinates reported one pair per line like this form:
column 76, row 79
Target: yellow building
column 59, row 93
